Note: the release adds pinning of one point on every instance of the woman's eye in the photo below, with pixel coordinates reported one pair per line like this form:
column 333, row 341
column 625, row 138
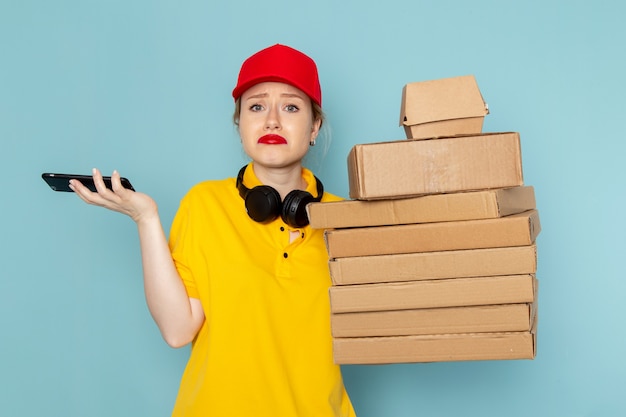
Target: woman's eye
column 256, row 107
column 291, row 108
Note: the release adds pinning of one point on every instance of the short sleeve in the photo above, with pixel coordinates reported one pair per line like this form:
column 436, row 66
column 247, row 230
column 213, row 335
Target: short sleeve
column 179, row 243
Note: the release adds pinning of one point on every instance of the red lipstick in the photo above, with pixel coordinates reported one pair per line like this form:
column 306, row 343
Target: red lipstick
column 272, row 139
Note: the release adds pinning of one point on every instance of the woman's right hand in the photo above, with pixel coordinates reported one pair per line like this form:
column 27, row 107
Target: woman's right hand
column 137, row 206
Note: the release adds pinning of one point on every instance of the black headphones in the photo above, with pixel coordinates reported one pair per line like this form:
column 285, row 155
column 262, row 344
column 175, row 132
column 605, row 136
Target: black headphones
column 263, row 202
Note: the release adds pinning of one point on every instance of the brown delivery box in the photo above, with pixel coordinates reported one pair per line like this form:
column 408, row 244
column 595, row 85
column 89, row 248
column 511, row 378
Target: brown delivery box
column 424, row 209
column 486, row 262
column 445, row 107
column 515, row 230
column 454, row 292
column 472, row 319
column 406, row 168
column 435, row 348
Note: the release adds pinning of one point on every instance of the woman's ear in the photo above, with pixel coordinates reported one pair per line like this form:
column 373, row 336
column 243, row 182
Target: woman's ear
column 315, row 129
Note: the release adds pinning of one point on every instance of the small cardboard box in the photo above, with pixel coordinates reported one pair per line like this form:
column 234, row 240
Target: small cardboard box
column 455, row 292
column 515, row 230
column 444, row 107
column 408, row 168
column 435, row 348
column 425, row 209
column 513, row 260
column 474, row 319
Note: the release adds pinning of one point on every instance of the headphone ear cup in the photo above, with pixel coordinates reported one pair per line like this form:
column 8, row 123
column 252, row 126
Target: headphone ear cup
column 294, row 208
column 263, row 203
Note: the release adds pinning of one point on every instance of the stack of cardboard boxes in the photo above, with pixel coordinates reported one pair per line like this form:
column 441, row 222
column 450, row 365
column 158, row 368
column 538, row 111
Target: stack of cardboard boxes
column 433, row 258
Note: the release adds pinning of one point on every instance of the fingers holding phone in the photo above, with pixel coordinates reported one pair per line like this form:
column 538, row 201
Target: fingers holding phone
column 95, row 191
column 114, row 193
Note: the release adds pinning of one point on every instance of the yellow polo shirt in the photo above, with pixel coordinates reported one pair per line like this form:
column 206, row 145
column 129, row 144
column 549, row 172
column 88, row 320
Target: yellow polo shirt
column 265, row 348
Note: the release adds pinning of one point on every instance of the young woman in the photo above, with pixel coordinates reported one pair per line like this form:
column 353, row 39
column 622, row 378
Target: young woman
column 244, row 278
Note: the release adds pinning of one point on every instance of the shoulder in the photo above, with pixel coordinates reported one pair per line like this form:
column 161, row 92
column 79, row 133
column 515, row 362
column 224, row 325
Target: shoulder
column 210, row 190
column 212, row 186
column 330, row 197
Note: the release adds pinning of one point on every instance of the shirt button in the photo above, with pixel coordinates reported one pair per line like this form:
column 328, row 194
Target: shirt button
column 282, row 229
column 285, row 255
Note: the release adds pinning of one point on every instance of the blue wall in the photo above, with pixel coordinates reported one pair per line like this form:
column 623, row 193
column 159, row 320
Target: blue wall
column 144, row 87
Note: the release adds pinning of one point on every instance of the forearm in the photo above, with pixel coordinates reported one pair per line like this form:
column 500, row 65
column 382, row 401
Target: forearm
column 177, row 316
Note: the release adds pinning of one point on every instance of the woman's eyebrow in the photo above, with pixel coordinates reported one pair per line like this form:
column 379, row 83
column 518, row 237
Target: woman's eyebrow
column 264, row 95
column 292, row 95
column 260, row 95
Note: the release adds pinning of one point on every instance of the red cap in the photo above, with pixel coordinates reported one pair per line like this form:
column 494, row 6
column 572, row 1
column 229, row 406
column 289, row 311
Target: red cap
column 282, row 64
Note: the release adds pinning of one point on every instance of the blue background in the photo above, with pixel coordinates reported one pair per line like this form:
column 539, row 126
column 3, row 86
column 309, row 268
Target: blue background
column 144, row 87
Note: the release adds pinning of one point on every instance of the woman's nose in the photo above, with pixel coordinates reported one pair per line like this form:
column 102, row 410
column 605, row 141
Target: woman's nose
column 273, row 120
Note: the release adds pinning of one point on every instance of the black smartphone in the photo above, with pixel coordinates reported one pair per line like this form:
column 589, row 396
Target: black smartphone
column 61, row 182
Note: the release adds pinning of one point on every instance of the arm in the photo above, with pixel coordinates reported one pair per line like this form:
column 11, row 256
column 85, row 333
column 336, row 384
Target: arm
column 178, row 316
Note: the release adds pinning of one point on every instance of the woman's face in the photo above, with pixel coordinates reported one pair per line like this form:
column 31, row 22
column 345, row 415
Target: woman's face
column 276, row 124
